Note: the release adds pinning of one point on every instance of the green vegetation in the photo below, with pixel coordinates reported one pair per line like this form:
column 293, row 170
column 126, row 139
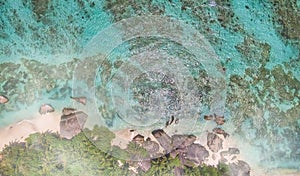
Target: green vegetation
column 165, row 166
column 48, row 154
column 221, row 170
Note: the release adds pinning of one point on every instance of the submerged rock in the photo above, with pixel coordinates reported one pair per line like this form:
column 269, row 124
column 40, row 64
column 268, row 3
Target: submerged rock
column 233, row 151
column 208, row 117
column 219, row 119
column 46, row 108
column 241, row 168
column 220, row 131
column 68, row 111
column 71, row 125
column 164, row 140
column 214, row 142
column 81, row 100
column 170, row 121
column 3, row 99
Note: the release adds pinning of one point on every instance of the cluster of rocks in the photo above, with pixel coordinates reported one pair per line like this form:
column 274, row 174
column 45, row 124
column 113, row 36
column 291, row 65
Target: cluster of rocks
column 220, row 120
column 183, row 146
column 215, row 144
column 189, row 153
column 72, row 121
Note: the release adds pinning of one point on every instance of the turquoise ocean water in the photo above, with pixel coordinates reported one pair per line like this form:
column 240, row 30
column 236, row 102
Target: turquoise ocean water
column 46, row 56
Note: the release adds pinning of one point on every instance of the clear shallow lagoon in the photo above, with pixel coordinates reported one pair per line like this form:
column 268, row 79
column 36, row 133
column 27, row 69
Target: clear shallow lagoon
column 44, row 45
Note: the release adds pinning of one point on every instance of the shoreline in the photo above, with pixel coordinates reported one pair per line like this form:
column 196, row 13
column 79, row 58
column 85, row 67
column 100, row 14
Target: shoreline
column 20, row 130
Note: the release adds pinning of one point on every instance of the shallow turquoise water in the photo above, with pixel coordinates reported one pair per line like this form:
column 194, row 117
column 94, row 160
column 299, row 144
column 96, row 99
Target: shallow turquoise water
column 265, row 113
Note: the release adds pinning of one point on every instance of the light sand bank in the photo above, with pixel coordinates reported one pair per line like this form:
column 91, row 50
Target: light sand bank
column 20, row 130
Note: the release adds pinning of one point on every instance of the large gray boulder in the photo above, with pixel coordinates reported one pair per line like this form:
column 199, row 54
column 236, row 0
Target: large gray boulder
column 241, row 168
column 181, row 141
column 139, row 139
column 72, row 124
column 152, row 147
column 3, row 99
column 46, row 108
column 214, row 142
column 164, row 140
column 196, row 153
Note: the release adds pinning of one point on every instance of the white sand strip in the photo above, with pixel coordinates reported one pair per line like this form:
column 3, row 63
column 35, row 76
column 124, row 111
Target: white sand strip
column 21, row 130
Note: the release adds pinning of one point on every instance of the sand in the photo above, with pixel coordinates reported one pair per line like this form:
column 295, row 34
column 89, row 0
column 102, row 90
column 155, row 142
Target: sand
column 50, row 122
column 22, row 129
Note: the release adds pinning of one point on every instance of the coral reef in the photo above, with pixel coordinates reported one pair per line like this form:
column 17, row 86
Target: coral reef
column 288, row 17
column 24, row 83
column 263, row 74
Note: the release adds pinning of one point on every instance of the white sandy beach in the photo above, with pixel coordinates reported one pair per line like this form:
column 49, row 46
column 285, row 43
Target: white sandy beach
column 22, row 129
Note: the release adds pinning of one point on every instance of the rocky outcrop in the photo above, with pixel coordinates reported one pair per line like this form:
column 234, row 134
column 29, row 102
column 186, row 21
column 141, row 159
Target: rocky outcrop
column 81, row 100
column 46, row 108
column 219, row 120
column 195, row 153
column 139, row 139
column 220, row 131
column 233, row 151
column 181, row 141
column 208, row 117
column 68, row 111
column 152, row 147
column 241, row 168
column 72, row 124
column 189, row 153
column 164, row 140
column 214, row 142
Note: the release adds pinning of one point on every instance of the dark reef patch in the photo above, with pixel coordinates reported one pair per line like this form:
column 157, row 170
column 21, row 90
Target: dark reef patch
column 40, row 8
column 287, row 15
